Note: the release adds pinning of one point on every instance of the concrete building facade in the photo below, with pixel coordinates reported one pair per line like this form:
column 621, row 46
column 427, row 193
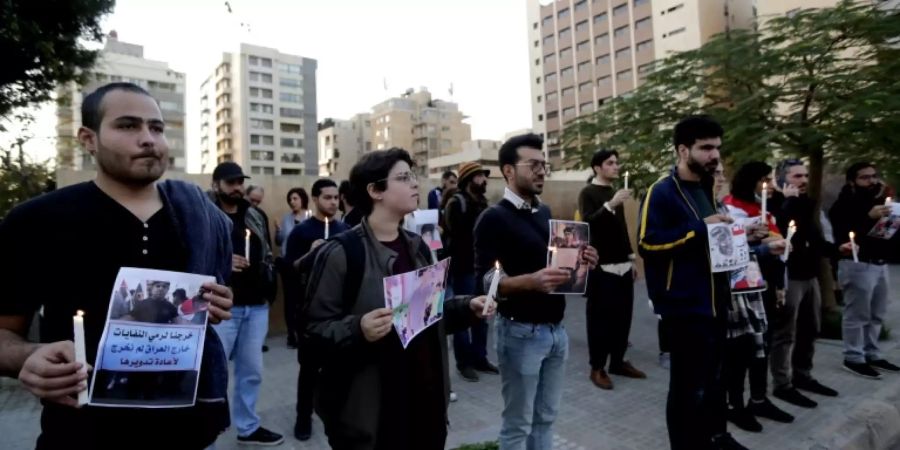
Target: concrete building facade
column 258, row 108
column 121, row 61
column 482, row 151
column 342, row 143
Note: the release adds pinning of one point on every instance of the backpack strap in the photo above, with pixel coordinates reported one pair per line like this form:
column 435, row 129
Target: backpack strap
column 462, row 201
column 355, row 250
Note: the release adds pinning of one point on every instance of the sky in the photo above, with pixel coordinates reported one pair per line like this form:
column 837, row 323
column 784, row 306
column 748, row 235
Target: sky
column 480, row 46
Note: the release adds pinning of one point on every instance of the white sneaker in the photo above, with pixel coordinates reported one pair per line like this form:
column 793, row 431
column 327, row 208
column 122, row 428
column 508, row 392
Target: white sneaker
column 453, row 397
column 665, row 360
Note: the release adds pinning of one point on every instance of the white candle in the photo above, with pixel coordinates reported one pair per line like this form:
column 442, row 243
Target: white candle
column 80, row 352
column 626, row 180
column 492, row 292
column 552, row 256
column 792, row 228
column 247, row 244
column 853, row 246
column 765, row 197
column 887, row 201
column 326, row 228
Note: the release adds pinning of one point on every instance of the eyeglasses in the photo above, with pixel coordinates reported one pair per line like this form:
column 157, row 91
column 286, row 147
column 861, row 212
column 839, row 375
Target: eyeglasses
column 405, row 177
column 536, row 166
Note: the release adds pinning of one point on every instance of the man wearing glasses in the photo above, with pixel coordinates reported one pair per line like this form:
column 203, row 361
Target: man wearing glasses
column 858, row 208
column 532, row 345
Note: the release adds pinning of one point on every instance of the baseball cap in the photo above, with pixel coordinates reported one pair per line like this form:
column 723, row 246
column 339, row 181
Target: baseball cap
column 228, row 171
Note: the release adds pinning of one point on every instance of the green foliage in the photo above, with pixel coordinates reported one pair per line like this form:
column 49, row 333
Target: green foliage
column 821, row 85
column 42, row 47
column 21, row 180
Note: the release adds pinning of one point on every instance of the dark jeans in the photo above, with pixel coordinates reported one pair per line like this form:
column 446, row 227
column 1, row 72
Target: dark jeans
column 470, row 345
column 695, row 411
column 741, row 360
column 310, row 358
column 291, row 300
column 662, row 333
column 609, row 308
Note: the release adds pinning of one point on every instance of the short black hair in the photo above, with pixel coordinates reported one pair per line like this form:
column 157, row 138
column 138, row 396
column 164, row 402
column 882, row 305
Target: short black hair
column 743, row 186
column 92, row 105
column 374, row 168
column 853, row 170
column 304, row 199
column 509, row 151
column 692, row 128
column 601, row 155
column 447, row 174
column 320, row 184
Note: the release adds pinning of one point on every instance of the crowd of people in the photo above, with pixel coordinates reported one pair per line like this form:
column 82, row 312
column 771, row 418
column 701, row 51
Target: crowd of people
column 338, row 242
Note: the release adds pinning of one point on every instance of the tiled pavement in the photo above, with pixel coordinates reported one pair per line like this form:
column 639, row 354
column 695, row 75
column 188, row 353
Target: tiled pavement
column 629, row 417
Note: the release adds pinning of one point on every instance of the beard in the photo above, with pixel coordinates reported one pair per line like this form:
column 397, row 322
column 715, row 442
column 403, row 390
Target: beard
column 229, row 199
column 704, row 170
column 479, row 189
column 141, row 170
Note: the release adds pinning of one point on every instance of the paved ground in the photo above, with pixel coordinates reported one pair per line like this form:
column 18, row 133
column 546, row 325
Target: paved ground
column 629, row 417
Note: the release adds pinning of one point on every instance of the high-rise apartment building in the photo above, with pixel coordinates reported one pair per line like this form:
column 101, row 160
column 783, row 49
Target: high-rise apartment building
column 341, row 143
column 585, row 52
column 258, row 108
column 121, row 61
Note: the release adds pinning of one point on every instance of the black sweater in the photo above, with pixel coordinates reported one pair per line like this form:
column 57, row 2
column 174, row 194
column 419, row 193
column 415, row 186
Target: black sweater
column 609, row 232
column 851, row 213
column 518, row 239
column 808, row 244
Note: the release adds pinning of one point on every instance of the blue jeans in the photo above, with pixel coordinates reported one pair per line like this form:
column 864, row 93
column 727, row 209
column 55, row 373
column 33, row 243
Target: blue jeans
column 243, row 337
column 866, row 296
column 532, row 361
column 469, row 345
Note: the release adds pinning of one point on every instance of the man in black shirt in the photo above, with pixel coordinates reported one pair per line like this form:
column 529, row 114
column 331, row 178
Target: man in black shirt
column 244, row 335
column 125, row 217
column 532, row 344
column 610, row 290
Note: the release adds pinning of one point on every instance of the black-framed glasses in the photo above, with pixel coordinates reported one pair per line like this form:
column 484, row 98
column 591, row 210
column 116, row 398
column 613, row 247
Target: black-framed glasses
column 405, row 177
column 536, row 166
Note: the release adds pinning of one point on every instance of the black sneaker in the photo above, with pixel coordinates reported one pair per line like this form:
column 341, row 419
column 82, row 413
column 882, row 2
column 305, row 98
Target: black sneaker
column 862, row 369
column 794, row 397
column 292, row 342
column 765, row 408
column 468, row 374
column 725, row 441
column 265, row 348
column 262, row 437
column 303, row 429
column 883, row 364
column 811, row 385
column 486, row 367
column 744, row 419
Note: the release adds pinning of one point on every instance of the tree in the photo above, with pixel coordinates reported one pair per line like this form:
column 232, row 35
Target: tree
column 42, row 47
column 820, row 84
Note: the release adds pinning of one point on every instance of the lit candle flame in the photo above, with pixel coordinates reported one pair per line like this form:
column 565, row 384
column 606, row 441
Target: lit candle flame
column 852, row 235
column 497, row 265
column 247, row 233
column 80, row 313
column 791, row 224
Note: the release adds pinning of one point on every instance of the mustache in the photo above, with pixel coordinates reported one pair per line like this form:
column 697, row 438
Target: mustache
column 148, row 153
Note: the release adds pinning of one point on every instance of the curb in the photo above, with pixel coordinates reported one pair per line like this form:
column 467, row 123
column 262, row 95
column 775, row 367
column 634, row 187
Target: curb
column 870, row 425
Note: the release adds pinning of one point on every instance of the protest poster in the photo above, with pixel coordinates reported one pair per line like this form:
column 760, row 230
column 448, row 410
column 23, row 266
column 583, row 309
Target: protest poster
column 417, row 299
column 728, row 247
column 887, row 227
column 424, row 222
column 568, row 240
column 152, row 344
column 747, row 279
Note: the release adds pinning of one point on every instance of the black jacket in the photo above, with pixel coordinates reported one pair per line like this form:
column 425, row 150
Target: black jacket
column 808, row 244
column 851, row 213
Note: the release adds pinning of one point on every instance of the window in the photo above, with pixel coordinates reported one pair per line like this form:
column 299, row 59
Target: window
column 260, row 93
column 539, row 98
column 537, row 43
column 261, row 124
column 603, row 81
column 623, row 52
column 568, row 112
column 549, row 58
column 640, row 2
column 580, row 6
column 602, row 101
column 568, row 91
column 621, row 9
column 584, row 66
column 566, row 72
column 623, row 75
column 565, row 33
column 645, row 69
column 262, row 155
column 257, row 139
column 537, row 80
column 600, row 18
column 290, row 128
column 291, row 112
column 583, row 45
column 581, row 26
column 287, row 97
column 268, row 170
column 263, row 77
column 291, row 142
column 603, row 59
column 584, row 87
column 552, row 114
column 674, row 8
column 565, row 54
column 550, row 77
column 548, row 40
column 292, row 69
column 586, row 107
column 643, row 45
column 290, row 171
column 551, row 96
column 540, row 117
column 290, row 157
column 169, row 106
column 548, row 20
column 563, row 14
column 641, row 24
column 602, row 39
column 261, row 108
column 265, row 62
column 289, row 82
column 254, row 61
column 674, row 32
column 621, row 31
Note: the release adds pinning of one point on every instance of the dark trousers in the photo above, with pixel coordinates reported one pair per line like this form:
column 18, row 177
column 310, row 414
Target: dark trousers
column 741, row 360
column 310, row 359
column 291, row 300
column 609, row 308
column 662, row 333
column 469, row 345
column 696, row 407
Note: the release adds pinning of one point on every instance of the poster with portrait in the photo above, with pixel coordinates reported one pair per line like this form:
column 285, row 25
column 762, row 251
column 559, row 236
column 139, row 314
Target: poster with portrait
column 887, row 227
column 417, row 299
column 424, row 222
column 152, row 344
column 748, row 279
column 568, row 240
column 728, row 247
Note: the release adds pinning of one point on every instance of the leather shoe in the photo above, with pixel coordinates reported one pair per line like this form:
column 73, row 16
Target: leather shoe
column 486, row 367
column 601, row 379
column 627, row 370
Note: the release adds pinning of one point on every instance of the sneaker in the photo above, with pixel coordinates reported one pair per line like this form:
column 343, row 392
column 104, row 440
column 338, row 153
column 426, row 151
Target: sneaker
column 811, row 385
column 627, row 370
column 744, row 419
column 862, row 369
column 883, row 364
column 486, row 367
column 262, row 437
column 292, row 342
column 765, row 408
column 725, row 441
column 601, row 379
column 265, row 348
column 303, row 429
column 453, row 397
column 794, row 397
column 468, row 374
column 665, row 360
